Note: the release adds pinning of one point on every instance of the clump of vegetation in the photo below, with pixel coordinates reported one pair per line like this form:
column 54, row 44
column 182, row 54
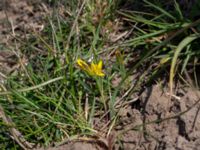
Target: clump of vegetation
column 88, row 61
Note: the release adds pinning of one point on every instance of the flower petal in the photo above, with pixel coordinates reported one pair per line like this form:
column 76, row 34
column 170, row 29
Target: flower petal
column 100, row 64
column 82, row 64
column 101, row 74
column 97, row 69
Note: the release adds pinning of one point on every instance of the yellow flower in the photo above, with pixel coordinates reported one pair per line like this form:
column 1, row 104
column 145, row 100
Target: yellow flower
column 97, row 69
column 83, row 65
column 92, row 69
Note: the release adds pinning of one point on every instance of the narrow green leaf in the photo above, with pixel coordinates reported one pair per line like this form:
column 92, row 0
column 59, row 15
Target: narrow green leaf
column 179, row 48
column 160, row 9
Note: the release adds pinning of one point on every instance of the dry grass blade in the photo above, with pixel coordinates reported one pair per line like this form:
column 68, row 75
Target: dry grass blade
column 75, row 24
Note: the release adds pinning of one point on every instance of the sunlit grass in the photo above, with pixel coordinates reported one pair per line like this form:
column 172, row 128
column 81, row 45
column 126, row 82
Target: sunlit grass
column 61, row 95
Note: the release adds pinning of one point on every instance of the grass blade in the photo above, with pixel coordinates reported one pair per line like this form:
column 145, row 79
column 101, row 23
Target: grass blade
column 160, row 9
column 179, row 48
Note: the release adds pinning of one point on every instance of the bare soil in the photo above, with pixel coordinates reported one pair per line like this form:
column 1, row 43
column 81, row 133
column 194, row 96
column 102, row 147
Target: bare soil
column 20, row 17
column 181, row 132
